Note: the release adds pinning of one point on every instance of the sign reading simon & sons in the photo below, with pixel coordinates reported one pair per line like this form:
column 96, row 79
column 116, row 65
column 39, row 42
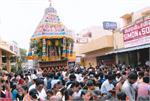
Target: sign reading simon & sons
column 137, row 33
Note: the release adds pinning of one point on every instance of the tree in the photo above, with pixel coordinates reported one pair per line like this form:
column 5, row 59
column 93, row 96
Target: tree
column 23, row 55
column 22, row 58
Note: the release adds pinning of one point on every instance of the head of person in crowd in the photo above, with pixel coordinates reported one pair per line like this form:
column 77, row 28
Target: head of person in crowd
column 87, row 96
column 34, row 95
column 71, row 71
column 84, row 73
column 141, row 74
column 39, row 84
column 14, row 87
column 61, row 93
column 110, row 78
column 96, row 95
column 33, row 77
column 75, row 86
column 85, row 79
column 50, row 75
column 4, row 76
column 132, row 77
column 83, row 92
column 59, row 74
column 122, row 79
column 57, row 86
column 118, row 75
column 7, row 85
column 105, row 70
column 21, row 80
column 20, row 92
column 146, row 79
column 26, row 79
column 68, row 95
column 123, row 73
column 91, row 76
column 90, row 84
column 121, row 96
column 147, row 73
column 34, row 72
column 97, row 75
column 25, row 89
column 72, row 77
column 49, row 94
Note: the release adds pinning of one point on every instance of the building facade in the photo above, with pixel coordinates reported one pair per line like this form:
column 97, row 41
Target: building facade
column 128, row 44
column 7, row 50
column 91, row 43
column 136, row 38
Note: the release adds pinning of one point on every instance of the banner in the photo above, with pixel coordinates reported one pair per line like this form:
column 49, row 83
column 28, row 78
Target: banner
column 137, row 33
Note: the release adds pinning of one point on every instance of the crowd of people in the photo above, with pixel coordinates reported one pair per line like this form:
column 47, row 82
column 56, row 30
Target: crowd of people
column 100, row 83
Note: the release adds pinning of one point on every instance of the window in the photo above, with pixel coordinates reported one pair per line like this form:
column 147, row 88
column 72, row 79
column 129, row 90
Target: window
column 127, row 19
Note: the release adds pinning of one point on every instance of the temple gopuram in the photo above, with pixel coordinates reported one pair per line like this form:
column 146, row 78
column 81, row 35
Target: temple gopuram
column 51, row 45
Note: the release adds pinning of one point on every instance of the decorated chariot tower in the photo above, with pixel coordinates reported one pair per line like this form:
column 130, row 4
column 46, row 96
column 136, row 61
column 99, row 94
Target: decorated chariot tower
column 52, row 43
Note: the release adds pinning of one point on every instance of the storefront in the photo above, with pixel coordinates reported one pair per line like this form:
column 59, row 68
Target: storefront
column 144, row 55
column 6, row 51
column 134, row 57
column 136, row 39
column 107, row 59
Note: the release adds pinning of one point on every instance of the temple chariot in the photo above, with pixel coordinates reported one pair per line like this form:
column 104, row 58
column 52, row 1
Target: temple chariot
column 51, row 45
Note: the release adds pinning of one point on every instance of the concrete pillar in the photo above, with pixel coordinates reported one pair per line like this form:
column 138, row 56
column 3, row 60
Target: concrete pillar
column 138, row 57
column 117, row 60
column 0, row 59
column 129, row 58
column 8, row 65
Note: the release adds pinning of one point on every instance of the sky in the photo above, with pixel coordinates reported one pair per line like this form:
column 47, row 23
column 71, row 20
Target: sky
column 19, row 18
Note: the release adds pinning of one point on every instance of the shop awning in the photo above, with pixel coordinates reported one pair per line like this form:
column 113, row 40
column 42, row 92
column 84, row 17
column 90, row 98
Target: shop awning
column 7, row 50
column 131, row 48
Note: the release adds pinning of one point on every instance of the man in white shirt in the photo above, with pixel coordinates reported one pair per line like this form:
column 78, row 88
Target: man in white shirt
column 39, row 85
column 75, row 86
column 33, row 80
column 54, row 81
column 107, row 85
column 128, row 88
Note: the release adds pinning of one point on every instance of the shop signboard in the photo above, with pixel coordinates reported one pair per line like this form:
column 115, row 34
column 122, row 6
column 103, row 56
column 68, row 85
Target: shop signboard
column 107, row 25
column 138, row 33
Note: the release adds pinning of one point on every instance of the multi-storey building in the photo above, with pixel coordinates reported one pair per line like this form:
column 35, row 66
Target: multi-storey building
column 7, row 49
column 129, row 44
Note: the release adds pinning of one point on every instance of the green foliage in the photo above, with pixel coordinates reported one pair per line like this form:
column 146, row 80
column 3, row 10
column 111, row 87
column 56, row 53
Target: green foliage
column 13, row 69
column 20, row 60
column 4, row 68
column 23, row 54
